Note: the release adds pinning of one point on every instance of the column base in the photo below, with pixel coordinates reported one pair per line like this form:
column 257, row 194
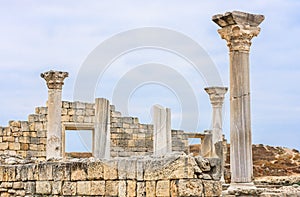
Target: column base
column 242, row 189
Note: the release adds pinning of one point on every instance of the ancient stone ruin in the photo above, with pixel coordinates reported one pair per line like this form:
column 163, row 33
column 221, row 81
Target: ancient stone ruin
column 129, row 158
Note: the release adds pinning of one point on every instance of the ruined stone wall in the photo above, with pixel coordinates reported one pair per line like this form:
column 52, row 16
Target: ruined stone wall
column 128, row 136
column 173, row 175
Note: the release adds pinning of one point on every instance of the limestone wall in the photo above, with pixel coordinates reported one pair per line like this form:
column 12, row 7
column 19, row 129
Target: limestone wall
column 174, row 175
column 128, row 136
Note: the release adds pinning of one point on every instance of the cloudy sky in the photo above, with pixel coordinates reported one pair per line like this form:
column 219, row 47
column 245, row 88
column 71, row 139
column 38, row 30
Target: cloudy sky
column 37, row 36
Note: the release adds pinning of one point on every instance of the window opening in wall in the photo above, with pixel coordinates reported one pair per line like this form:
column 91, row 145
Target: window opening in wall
column 78, row 142
column 194, row 146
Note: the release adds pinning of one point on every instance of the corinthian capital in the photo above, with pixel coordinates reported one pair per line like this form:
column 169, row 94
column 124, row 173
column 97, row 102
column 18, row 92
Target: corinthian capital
column 238, row 28
column 54, row 79
column 216, row 95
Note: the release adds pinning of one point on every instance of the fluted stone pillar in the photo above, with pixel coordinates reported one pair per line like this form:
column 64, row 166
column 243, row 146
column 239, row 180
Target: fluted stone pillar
column 101, row 144
column 216, row 96
column 238, row 28
column 162, row 137
column 55, row 81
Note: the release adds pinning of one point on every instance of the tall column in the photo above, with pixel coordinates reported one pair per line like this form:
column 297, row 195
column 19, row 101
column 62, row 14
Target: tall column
column 162, row 137
column 238, row 28
column 55, row 81
column 216, row 96
column 101, row 144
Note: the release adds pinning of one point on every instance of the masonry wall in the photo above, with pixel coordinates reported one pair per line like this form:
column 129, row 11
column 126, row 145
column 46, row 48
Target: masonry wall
column 174, row 175
column 128, row 137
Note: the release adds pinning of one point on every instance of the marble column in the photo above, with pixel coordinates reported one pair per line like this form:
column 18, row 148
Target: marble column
column 216, row 96
column 55, row 81
column 101, row 144
column 238, row 28
column 162, row 136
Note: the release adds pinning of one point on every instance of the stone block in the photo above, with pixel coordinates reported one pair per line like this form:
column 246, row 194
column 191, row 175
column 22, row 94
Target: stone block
column 20, row 193
column 41, row 133
column 45, row 171
column 163, row 188
column 212, row 188
column 18, row 185
column 122, row 192
column 140, row 189
column 78, row 171
column 43, row 187
column 111, row 188
column 83, row 187
column 3, row 145
column 9, row 173
column 173, row 188
column 6, row 185
column 32, row 147
column 97, row 188
column 8, row 139
column 139, row 170
column 95, row 171
column 24, row 146
column 61, row 171
column 14, row 146
column 79, row 105
column 131, row 188
column 71, row 112
column 29, row 187
column 24, row 139
column 190, row 187
column 65, row 118
column 24, row 126
column 69, row 188
column 110, row 170
column 172, row 167
column 65, row 104
column 150, row 188
column 56, row 187
column 38, row 126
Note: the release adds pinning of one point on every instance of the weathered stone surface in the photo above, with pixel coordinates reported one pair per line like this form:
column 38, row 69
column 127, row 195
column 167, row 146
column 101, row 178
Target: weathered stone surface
column 97, row 188
column 122, row 188
column 69, row 188
column 110, row 170
column 173, row 167
column 95, row 170
column 78, row 171
column 150, row 188
column 43, row 187
column 212, row 188
column 140, row 189
column 190, row 187
column 56, row 187
column 163, row 188
column 111, row 188
column 131, row 188
column 83, row 187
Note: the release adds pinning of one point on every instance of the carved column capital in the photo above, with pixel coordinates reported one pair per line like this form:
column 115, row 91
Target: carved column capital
column 238, row 28
column 54, row 79
column 239, row 37
column 216, row 95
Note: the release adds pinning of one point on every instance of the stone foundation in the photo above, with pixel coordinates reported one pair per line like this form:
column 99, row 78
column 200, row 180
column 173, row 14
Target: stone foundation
column 174, row 175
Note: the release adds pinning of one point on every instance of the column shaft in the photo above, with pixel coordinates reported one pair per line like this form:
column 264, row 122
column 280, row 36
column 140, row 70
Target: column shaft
column 101, row 144
column 240, row 118
column 162, row 139
column 54, row 135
